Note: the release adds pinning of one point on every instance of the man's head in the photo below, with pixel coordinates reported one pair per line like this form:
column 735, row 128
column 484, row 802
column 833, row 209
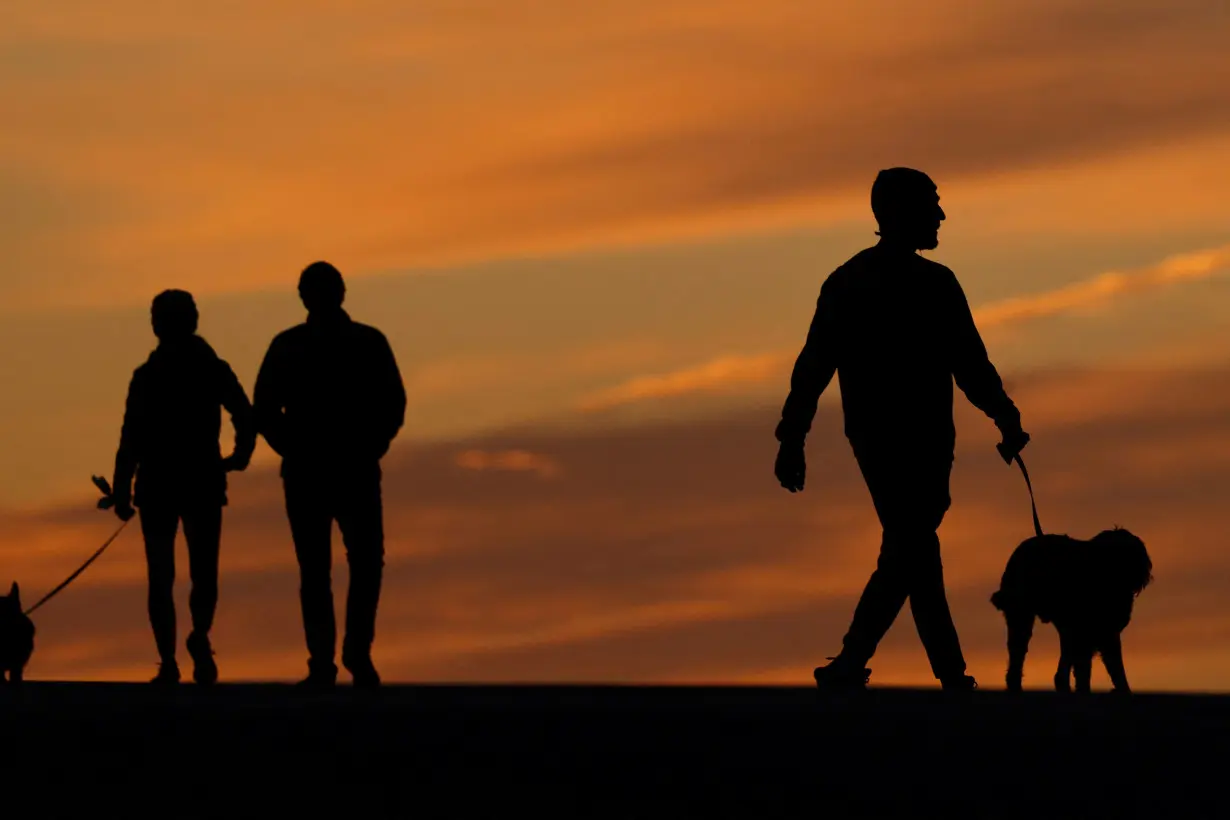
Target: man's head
column 173, row 315
column 906, row 203
column 321, row 288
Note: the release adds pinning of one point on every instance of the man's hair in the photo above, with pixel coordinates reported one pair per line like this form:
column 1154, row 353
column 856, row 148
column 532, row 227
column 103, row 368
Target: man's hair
column 896, row 191
column 173, row 314
column 321, row 286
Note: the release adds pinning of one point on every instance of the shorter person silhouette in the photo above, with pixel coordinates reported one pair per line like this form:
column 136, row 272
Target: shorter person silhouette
column 170, row 441
column 329, row 399
column 897, row 330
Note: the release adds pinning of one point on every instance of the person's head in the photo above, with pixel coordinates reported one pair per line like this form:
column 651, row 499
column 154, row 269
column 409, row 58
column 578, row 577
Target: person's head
column 321, row 288
column 906, row 205
column 173, row 315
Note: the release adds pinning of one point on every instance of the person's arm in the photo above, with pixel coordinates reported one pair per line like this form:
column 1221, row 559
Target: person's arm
column 128, row 454
column 971, row 366
column 268, row 397
column 392, row 391
column 235, row 401
column 813, row 370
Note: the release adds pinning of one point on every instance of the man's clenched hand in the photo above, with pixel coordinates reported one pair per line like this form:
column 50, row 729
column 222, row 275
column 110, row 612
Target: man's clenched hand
column 791, row 466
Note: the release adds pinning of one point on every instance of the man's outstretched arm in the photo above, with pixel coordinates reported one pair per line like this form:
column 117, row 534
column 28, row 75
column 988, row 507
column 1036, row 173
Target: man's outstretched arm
column 813, row 370
column 976, row 376
column 235, row 400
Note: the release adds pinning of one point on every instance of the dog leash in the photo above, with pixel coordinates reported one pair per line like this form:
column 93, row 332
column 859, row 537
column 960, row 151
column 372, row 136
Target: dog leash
column 1032, row 503
column 80, row 569
column 106, row 502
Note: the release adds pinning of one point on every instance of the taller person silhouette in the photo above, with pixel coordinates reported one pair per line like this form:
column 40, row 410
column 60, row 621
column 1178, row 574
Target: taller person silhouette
column 170, row 440
column 329, row 399
column 897, row 330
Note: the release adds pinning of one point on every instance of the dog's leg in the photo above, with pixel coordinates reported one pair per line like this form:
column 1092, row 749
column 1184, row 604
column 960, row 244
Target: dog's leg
column 1020, row 630
column 1063, row 674
column 1082, row 664
column 1112, row 659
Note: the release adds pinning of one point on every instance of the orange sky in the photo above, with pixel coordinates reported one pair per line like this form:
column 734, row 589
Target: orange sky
column 594, row 234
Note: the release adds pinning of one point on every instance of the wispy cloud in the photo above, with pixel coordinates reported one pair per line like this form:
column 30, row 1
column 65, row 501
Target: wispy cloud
column 715, row 375
column 616, row 123
column 735, row 371
column 516, row 461
column 1100, row 291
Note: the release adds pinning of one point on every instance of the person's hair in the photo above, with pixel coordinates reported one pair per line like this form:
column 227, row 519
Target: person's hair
column 173, row 314
column 896, row 192
column 321, row 287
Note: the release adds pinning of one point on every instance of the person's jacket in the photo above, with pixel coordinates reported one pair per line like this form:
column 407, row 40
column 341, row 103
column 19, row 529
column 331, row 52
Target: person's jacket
column 172, row 425
column 897, row 330
column 329, row 394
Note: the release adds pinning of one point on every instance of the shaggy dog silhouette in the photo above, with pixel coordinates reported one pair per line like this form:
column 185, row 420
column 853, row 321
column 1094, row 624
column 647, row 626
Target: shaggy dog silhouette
column 16, row 637
column 1086, row 589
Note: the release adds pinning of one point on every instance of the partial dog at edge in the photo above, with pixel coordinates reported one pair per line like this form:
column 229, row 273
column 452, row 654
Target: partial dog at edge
column 16, row 637
column 1086, row 589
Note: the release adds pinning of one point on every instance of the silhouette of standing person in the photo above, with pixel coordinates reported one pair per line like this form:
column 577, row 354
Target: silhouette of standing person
column 329, row 399
column 170, row 440
column 897, row 330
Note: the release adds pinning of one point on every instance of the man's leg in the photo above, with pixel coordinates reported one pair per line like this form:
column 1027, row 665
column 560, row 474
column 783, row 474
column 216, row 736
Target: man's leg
column 203, row 532
column 309, row 508
column 932, row 617
column 921, row 515
column 361, row 520
column 159, row 526
column 881, row 601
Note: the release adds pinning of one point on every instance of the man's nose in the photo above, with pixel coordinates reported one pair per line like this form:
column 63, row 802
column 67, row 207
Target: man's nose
column 943, row 216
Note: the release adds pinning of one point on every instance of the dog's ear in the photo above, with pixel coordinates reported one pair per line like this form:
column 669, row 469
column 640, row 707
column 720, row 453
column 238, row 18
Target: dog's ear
column 15, row 595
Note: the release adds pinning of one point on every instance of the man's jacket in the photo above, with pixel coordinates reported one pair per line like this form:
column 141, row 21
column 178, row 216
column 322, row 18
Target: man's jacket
column 897, row 330
column 329, row 394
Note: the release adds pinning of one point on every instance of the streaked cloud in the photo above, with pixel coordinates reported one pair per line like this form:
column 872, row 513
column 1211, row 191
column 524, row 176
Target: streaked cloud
column 1099, row 291
column 735, row 371
column 516, row 461
column 718, row 374
column 223, row 151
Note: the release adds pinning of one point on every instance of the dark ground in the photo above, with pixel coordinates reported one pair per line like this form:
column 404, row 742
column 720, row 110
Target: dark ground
column 578, row 751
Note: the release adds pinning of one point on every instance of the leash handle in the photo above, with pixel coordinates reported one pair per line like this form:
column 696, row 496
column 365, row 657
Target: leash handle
column 80, row 569
column 1024, row 472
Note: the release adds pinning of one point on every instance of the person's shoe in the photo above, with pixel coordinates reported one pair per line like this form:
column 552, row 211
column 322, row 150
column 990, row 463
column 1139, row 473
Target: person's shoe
column 319, row 676
column 965, row 683
column 841, row 675
column 168, row 674
column 362, row 672
column 204, row 670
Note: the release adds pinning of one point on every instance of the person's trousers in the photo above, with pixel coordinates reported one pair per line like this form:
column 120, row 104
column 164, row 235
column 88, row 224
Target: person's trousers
column 314, row 500
column 911, row 496
column 202, row 531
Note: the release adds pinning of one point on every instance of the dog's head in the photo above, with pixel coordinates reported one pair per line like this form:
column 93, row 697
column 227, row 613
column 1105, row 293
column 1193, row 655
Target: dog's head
column 10, row 610
column 1125, row 559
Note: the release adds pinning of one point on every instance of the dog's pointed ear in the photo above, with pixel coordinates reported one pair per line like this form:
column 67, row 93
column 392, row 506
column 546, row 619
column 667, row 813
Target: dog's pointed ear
column 15, row 594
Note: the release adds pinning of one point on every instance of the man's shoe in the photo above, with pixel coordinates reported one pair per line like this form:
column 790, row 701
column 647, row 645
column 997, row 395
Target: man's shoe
column 362, row 672
column 168, row 674
column 204, row 670
column 319, row 677
column 965, row 683
column 840, row 675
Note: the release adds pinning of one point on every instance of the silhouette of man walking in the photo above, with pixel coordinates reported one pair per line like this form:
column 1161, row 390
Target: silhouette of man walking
column 169, row 439
column 329, row 399
column 897, row 330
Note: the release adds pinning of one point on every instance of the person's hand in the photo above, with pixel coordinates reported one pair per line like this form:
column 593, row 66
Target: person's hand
column 124, row 510
column 1014, row 442
column 791, row 466
column 234, row 464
